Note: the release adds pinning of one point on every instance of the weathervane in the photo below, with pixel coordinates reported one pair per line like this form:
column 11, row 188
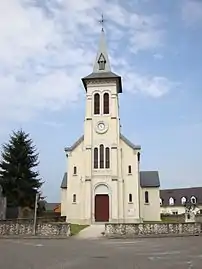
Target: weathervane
column 102, row 21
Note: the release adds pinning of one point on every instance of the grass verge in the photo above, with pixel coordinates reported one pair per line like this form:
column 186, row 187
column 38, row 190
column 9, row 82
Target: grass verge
column 76, row 228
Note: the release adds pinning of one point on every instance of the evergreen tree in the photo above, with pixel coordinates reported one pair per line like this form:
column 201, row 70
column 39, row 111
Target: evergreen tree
column 18, row 175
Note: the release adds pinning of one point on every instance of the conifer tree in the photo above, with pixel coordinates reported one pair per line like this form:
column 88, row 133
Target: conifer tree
column 19, row 177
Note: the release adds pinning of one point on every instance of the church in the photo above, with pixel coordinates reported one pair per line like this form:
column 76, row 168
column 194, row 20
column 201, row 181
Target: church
column 103, row 181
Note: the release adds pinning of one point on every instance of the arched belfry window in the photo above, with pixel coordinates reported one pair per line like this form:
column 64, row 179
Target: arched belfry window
column 101, row 156
column 106, row 103
column 107, row 158
column 101, row 62
column 96, row 158
column 96, row 103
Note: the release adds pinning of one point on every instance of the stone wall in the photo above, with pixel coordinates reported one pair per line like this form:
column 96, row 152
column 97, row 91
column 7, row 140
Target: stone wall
column 152, row 229
column 25, row 228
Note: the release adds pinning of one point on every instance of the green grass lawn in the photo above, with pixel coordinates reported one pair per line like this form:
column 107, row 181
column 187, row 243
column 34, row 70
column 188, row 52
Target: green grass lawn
column 76, row 228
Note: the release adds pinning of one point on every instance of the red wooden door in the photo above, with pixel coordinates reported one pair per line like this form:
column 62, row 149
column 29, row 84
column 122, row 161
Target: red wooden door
column 102, row 207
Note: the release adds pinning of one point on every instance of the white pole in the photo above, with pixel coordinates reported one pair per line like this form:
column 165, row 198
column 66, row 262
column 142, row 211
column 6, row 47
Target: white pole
column 35, row 213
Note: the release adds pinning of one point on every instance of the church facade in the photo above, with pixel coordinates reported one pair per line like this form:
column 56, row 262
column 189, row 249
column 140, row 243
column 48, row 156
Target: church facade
column 103, row 181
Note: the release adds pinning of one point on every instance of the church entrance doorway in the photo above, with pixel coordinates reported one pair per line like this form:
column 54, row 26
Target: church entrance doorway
column 101, row 207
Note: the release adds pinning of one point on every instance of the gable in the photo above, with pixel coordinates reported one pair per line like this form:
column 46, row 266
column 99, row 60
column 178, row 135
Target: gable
column 75, row 145
column 129, row 143
column 64, row 181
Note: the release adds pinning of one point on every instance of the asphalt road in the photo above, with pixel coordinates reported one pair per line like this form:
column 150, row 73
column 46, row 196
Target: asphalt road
column 158, row 253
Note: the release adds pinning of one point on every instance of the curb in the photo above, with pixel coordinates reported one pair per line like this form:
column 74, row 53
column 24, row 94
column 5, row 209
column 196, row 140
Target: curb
column 34, row 237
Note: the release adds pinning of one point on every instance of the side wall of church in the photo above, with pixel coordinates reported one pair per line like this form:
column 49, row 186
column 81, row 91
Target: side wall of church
column 75, row 204
column 151, row 210
column 131, row 184
column 63, row 202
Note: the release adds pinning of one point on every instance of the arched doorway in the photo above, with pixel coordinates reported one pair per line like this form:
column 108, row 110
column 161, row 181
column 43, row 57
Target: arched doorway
column 101, row 203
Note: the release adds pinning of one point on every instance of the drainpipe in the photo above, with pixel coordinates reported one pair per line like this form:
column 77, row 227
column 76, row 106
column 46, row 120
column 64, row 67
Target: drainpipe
column 139, row 187
column 122, row 180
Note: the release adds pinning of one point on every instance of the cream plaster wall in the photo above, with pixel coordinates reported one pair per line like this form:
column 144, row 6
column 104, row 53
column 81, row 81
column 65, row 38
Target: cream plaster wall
column 151, row 211
column 131, row 183
column 119, row 184
column 76, row 186
column 63, row 202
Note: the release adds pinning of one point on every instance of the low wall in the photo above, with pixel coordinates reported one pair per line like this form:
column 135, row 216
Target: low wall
column 25, row 228
column 152, row 229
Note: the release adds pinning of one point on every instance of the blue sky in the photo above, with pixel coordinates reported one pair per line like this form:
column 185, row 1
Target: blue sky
column 155, row 46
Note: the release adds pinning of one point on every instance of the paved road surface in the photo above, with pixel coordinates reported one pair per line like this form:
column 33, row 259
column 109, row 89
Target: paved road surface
column 158, row 253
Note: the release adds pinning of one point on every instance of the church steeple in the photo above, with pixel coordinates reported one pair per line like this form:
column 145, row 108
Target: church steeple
column 102, row 63
column 102, row 69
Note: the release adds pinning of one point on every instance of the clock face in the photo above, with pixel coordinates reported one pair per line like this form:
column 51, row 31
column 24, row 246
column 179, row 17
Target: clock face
column 101, row 127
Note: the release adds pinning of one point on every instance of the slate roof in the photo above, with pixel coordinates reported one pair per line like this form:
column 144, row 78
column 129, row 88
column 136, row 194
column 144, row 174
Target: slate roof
column 128, row 142
column 103, row 75
column 64, row 181
column 177, row 194
column 149, row 179
column 75, row 144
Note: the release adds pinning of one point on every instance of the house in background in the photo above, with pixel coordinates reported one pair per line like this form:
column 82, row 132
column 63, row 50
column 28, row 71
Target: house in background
column 173, row 201
column 53, row 207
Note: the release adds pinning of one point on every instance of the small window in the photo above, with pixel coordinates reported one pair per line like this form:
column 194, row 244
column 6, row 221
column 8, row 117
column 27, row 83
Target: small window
column 74, row 198
column 129, row 169
column 193, row 200
column 95, row 158
column 107, row 158
column 130, row 198
column 171, row 201
column 183, row 200
column 101, row 65
column 75, row 170
column 101, row 156
column 101, row 62
column 161, row 202
column 146, row 197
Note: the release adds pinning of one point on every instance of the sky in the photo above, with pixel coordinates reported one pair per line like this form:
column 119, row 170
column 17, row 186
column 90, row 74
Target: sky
column 47, row 46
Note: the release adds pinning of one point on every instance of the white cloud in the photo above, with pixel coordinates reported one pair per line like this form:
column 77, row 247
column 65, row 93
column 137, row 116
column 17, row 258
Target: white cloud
column 158, row 56
column 45, row 50
column 192, row 12
column 148, row 85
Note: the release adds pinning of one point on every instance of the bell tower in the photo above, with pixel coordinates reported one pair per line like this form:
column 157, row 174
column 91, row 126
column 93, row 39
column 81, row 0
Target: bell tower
column 102, row 126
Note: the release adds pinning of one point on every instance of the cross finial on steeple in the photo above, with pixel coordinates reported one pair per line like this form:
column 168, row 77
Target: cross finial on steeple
column 102, row 21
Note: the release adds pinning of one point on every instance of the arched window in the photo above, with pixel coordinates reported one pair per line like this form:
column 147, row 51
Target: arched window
column 129, row 169
column 74, row 198
column 96, row 103
column 101, row 156
column 183, row 200
column 193, row 200
column 146, row 197
column 130, row 198
column 107, row 158
column 75, row 170
column 161, row 202
column 106, row 103
column 96, row 158
column 171, row 201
